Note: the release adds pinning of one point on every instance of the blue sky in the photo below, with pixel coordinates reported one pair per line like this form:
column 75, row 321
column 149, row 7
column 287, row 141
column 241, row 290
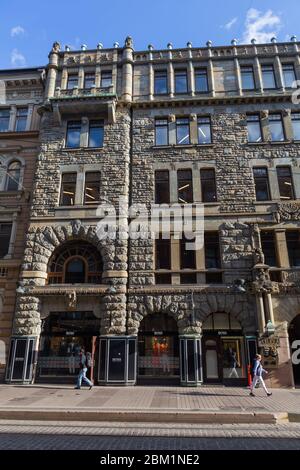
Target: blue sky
column 28, row 28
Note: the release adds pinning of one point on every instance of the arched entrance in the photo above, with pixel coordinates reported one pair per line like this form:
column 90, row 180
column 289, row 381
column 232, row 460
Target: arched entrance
column 294, row 336
column 158, row 350
column 225, row 354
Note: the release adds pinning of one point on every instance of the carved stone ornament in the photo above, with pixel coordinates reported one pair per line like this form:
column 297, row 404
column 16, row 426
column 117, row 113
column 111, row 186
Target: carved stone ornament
column 264, row 114
column 262, row 282
column 172, row 118
column 76, row 225
column 56, row 47
column 71, row 300
column 288, row 211
column 129, row 42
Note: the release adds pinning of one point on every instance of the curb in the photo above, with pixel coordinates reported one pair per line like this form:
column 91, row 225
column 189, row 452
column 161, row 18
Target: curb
column 143, row 416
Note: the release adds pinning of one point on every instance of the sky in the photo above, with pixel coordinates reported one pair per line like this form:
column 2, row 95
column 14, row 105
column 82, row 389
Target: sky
column 29, row 28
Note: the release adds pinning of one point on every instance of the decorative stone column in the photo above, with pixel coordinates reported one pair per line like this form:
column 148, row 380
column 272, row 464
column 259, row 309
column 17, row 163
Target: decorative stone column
column 52, row 70
column 127, row 70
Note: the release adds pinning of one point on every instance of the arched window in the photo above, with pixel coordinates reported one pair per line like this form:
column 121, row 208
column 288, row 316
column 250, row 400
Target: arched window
column 76, row 263
column 13, row 176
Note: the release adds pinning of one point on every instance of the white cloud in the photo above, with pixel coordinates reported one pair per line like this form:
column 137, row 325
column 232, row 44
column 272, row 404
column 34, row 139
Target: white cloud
column 261, row 26
column 230, row 23
column 17, row 31
column 17, row 59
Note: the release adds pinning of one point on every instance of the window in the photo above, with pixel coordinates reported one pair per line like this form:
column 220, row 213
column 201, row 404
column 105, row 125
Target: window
column 208, row 185
column 73, row 134
column 68, row 189
column 289, row 76
column 5, row 233
column 76, row 262
column 185, row 186
column 204, row 130
column 106, row 79
column 254, row 128
column 21, row 119
column 296, row 125
column 201, row 82
column 161, row 132
column 160, row 82
column 4, row 119
column 182, row 131
column 89, row 80
column 72, row 81
column 187, row 257
column 261, row 182
column 268, row 248
column 212, row 250
column 247, row 75
column 13, row 176
column 162, row 254
column 96, row 134
column 276, row 128
column 180, row 81
column 268, row 77
column 92, row 187
column 293, row 246
column 285, row 182
column 162, row 187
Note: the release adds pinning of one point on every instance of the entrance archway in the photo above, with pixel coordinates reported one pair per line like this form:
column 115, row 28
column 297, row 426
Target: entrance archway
column 158, row 350
column 225, row 354
column 294, row 336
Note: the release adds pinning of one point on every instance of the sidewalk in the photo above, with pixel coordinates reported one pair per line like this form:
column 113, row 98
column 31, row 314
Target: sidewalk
column 214, row 404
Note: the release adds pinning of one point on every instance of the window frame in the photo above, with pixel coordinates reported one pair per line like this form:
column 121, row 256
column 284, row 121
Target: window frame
column 94, row 124
column 178, row 125
column 69, row 125
column 164, row 74
column 292, row 182
column 292, row 67
column 103, row 78
column 243, row 70
column 208, row 121
column 177, row 74
column 266, row 178
column 294, row 119
column 271, row 119
column 186, row 182
column 4, row 119
column 3, row 236
column 258, row 120
column 61, row 196
column 8, row 178
column 98, row 181
column 86, row 75
column 271, row 68
column 158, row 182
column 18, row 120
column 158, row 125
column 202, row 182
column 72, row 77
column 201, row 71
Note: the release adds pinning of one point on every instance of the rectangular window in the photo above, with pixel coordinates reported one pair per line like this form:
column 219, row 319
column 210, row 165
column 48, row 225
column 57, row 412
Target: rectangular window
column 296, row 125
column 212, row 250
column 201, row 82
column 89, row 80
column 68, row 189
column 96, row 134
column 162, row 187
column 161, row 132
column 261, row 182
column 4, row 119
column 180, row 81
column 160, row 82
column 276, row 128
column 285, row 182
column 269, row 248
column 185, row 186
column 5, row 233
column 293, row 246
column 162, row 254
column 92, row 187
column 204, row 130
column 182, row 131
column 247, row 76
column 187, row 257
column 268, row 77
column 254, row 128
column 106, row 79
column 72, row 81
column 289, row 76
column 21, row 119
column 73, row 134
column 208, row 185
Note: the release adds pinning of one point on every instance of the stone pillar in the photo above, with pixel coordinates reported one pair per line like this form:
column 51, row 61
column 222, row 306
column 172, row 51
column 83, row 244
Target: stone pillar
column 64, row 79
column 287, row 124
column 269, row 305
column 211, row 78
column 175, row 259
column 257, row 74
column 29, row 117
column 264, row 119
column 98, row 77
column 278, row 73
column 171, row 77
column 238, row 76
column 260, row 313
column 11, row 247
column 127, row 70
column 52, row 71
column 281, row 248
column 12, row 118
column 193, row 129
column 282, row 374
column 191, row 78
column 81, row 77
column 84, row 135
column 151, row 81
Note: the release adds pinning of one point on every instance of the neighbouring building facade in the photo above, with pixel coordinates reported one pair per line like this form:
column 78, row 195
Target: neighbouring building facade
column 21, row 92
column 120, row 131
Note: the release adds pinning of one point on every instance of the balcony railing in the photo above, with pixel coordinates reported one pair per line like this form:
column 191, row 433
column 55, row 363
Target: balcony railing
column 286, row 275
column 84, row 92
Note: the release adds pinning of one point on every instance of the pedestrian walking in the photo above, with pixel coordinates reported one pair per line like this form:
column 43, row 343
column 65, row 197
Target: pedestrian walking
column 257, row 376
column 233, row 365
column 83, row 370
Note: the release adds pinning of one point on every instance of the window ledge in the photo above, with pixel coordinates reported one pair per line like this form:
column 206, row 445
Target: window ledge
column 16, row 134
column 81, row 149
column 271, row 142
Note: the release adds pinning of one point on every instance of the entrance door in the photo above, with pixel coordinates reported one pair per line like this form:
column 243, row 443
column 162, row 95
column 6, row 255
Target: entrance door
column 294, row 335
column 212, row 363
column 158, row 350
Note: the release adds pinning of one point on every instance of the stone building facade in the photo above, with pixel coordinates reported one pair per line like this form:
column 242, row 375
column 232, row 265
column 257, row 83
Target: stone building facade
column 21, row 93
column 214, row 128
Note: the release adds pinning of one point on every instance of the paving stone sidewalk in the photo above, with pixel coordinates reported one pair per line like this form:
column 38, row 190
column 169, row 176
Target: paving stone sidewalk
column 147, row 398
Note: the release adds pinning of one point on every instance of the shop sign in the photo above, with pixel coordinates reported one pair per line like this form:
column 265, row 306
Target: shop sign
column 70, row 333
column 158, row 333
column 269, row 342
column 116, row 359
column 222, row 333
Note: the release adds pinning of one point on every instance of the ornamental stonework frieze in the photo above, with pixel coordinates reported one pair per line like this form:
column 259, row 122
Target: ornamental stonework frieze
column 287, row 211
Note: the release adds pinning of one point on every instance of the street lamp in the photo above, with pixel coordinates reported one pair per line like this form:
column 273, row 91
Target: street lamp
column 269, row 328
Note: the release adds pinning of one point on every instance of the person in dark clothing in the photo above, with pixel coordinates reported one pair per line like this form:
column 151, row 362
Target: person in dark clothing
column 83, row 370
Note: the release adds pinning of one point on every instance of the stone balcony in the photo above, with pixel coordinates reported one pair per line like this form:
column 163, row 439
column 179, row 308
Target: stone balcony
column 76, row 93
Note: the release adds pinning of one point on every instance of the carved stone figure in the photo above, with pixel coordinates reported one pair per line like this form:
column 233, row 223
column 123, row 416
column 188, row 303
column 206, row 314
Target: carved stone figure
column 56, row 47
column 71, row 300
column 128, row 42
